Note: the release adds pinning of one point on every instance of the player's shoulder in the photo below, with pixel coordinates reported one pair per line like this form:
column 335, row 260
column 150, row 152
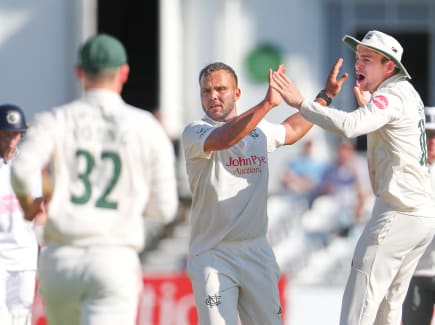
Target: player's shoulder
column 136, row 112
column 265, row 124
column 48, row 116
column 139, row 117
column 66, row 108
column 397, row 86
column 198, row 123
column 143, row 123
column 402, row 96
column 198, row 127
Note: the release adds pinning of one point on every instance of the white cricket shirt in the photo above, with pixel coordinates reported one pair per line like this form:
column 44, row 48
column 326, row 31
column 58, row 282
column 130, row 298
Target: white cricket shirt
column 394, row 123
column 112, row 163
column 229, row 187
column 18, row 244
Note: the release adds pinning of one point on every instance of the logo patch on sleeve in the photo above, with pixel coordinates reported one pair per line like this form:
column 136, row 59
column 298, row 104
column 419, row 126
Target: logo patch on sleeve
column 380, row 101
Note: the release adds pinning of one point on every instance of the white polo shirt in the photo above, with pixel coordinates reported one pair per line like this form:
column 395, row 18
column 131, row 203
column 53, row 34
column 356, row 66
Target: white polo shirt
column 229, row 187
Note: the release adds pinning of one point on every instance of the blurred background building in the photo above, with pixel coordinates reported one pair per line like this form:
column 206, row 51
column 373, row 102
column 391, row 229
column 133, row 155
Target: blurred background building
column 169, row 41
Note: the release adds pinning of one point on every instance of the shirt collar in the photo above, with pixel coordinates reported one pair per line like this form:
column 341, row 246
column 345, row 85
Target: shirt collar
column 207, row 119
column 102, row 95
column 395, row 78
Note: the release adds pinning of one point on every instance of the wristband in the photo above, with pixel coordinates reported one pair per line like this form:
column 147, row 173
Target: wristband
column 322, row 94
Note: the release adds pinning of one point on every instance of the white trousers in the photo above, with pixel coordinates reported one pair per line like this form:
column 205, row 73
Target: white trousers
column 236, row 278
column 90, row 285
column 384, row 261
column 17, row 291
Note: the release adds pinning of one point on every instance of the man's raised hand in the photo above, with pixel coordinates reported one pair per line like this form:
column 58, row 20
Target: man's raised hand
column 333, row 85
column 286, row 88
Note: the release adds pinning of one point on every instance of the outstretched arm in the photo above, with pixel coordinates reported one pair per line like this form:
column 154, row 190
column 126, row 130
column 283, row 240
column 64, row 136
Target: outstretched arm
column 295, row 128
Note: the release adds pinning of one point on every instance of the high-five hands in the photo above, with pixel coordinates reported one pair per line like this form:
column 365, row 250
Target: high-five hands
column 273, row 96
column 291, row 94
column 280, row 82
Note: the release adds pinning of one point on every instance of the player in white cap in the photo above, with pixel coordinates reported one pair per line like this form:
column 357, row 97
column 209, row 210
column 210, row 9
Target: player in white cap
column 112, row 164
column 402, row 224
column 420, row 299
column 18, row 245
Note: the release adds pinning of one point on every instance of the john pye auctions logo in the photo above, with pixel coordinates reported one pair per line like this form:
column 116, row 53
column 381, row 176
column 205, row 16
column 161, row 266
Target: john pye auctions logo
column 250, row 165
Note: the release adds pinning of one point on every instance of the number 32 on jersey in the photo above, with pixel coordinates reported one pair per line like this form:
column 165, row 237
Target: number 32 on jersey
column 106, row 157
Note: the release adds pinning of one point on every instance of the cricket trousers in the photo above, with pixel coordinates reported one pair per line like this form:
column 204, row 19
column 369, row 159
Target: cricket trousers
column 234, row 279
column 384, row 261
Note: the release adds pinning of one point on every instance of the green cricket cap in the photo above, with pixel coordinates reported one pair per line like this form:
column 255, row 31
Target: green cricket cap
column 100, row 52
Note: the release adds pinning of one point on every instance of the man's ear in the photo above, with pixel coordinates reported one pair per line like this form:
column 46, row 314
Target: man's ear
column 79, row 72
column 125, row 70
column 390, row 67
column 238, row 93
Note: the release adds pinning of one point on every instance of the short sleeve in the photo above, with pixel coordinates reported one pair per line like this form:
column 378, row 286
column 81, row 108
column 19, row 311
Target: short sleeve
column 193, row 138
column 275, row 134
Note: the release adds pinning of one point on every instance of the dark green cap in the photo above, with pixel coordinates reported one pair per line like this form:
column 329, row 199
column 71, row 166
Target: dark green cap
column 102, row 51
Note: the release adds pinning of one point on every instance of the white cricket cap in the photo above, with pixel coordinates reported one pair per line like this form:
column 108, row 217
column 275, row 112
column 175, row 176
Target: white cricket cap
column 382, row 43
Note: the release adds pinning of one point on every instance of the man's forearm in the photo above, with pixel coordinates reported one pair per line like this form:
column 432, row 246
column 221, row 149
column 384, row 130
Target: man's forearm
column 31, row 206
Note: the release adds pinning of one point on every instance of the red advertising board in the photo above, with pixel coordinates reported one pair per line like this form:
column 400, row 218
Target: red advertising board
column 165, row 300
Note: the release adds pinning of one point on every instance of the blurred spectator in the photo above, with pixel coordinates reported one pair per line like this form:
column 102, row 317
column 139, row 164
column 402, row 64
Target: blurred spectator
column 340, row 209
column 340, row 197
column 299, row 179
column 303, row 173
